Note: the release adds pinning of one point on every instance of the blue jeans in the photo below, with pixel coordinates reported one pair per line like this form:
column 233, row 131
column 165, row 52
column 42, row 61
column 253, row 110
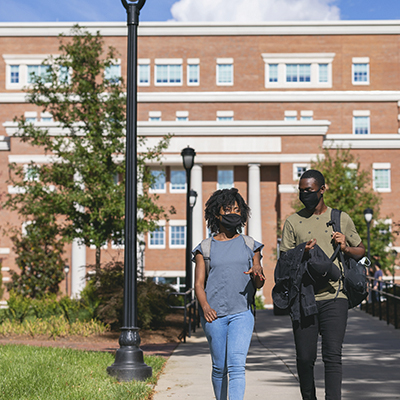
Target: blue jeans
column 229, row 339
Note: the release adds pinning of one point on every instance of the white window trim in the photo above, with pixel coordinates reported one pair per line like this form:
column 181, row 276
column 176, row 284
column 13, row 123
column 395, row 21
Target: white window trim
column 23, row 60
column 157, row 246
column 354, row 123
column 224, row 61
column 378, row 166
column 306, row 113
column 360, row 60
column 144, row 61
column 182, row 114
column 175, row 191
column 193, row 61
column 154, row 114
column 176, row 222
column 298, row 58
column 295, row 166
column 167, row 61
column 361, row 113
column 165, row 186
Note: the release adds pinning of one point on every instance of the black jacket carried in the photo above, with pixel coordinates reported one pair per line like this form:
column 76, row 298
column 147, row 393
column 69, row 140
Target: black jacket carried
column 294, row 286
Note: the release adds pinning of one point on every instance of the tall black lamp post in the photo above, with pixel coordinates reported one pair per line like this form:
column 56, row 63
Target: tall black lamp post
column 188, row 155
column 129, row 363
column 368, row 214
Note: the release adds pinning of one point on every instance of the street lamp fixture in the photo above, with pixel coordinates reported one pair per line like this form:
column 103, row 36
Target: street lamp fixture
column 129, row 364
column 188, row 155
column 192, row 198
column 368, row 214
column 66, row 270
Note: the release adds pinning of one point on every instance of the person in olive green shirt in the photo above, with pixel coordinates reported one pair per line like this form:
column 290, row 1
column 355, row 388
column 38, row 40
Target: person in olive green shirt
column 311, row 225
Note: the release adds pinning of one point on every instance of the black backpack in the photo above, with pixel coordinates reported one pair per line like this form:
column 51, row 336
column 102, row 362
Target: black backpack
column 354, row 276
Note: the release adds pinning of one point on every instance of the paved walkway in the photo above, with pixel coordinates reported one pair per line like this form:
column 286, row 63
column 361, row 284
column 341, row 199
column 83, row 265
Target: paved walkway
column 371, row 363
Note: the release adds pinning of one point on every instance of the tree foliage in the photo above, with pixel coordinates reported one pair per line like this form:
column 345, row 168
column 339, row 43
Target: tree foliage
column 83, row 184
column 349, row 189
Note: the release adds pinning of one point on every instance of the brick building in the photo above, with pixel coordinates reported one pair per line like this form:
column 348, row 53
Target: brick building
column 257, row 102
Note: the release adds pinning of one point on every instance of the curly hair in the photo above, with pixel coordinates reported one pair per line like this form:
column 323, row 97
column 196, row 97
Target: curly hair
column 223, row 198
column 316, row 175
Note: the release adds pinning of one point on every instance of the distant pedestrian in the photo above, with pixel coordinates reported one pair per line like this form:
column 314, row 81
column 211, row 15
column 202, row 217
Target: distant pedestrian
column 226, row 292
column 308, row 282
column 378, row 278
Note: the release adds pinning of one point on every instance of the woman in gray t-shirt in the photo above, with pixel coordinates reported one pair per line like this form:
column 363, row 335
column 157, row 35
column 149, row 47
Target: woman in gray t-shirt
column 226, row 294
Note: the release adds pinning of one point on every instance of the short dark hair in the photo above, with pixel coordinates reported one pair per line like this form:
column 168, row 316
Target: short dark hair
column 313, row 173
column 223, row 198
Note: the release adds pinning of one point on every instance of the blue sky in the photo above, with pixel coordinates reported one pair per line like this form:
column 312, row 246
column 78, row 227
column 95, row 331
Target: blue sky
column 199, row 10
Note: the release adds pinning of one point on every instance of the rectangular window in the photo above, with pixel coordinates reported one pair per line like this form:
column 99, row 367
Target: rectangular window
column 113, row 73
column 298, row 72
column 144, row 74
column 31, row 173
column 64, row 74
column 43, row 71
column 381, row 178
column 224, row 73
column 154, row 116
column 361, row 125
column 225, row 179
column 361, row 73
column 158, row 180
column 169, row 74
column 178, row 180
column 290, row 118
column 182, row 115
column 14, row 71
column 193, row 74
column 273, row 72
column 157, row 237
column 322, row 73
column 225, row 115
column 177, row 236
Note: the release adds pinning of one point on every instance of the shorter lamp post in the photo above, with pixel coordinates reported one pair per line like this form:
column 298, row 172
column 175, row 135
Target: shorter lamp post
column 368, row 214
column 142, row 247
column 66, row 270
column 188, row 155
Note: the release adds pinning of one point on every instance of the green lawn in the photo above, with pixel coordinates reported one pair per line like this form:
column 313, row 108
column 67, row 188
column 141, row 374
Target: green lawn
column 47, row 373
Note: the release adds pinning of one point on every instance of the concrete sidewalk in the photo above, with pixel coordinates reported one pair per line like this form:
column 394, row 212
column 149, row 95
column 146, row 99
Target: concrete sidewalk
column 371, row 363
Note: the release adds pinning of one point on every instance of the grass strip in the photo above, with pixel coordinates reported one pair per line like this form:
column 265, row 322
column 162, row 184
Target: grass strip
column 47, row 373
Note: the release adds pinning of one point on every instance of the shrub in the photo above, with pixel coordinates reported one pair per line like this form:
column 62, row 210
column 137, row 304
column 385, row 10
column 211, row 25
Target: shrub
column 108, row 285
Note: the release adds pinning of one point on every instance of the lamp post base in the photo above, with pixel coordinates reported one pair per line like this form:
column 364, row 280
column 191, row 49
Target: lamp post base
column 129, row 364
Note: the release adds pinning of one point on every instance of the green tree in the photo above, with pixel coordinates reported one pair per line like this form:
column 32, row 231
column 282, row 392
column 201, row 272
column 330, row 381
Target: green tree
column 83, row 185
column 349, row 189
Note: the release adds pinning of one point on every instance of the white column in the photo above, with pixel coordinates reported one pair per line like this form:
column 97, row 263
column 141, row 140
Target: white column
column 197, row 222
column 198, row 212
column 78, row 268
column 254, row 196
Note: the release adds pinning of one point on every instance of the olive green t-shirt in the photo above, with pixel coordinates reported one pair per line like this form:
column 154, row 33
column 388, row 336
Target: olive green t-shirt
column 304, row 226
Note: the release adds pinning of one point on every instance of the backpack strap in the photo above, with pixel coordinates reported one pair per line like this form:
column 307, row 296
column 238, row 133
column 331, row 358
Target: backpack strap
column 335, row 222
column 206, row 250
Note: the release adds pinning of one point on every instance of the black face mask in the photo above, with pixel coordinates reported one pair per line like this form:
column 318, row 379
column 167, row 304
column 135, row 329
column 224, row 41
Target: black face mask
column 231, row 222
column 310, row 199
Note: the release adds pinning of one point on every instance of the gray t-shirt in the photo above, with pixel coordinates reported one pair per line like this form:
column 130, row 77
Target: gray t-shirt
column 229, row 290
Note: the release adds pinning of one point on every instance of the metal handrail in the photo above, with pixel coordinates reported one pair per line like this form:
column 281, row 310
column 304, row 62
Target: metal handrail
column 189, row 304
column 388, row 298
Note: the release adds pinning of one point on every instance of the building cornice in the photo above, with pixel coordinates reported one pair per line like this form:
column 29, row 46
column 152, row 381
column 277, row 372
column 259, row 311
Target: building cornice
column 262, row 96
column 371, row 141
column 376, row 27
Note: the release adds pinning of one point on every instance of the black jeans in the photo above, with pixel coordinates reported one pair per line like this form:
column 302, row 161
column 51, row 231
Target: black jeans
column 330, row 322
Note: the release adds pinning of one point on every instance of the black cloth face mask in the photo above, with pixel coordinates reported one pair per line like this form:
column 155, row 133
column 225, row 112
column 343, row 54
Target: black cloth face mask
column 231, row 221
column 310, row 199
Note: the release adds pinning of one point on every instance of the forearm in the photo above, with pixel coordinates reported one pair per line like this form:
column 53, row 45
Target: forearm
column 355, row 252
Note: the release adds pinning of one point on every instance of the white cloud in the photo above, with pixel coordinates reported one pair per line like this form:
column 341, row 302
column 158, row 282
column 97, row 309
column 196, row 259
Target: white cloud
column 255, row 10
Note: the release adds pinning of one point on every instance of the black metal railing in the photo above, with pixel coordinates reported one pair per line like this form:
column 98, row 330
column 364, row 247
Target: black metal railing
column 383, row 302
column 189, row 308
